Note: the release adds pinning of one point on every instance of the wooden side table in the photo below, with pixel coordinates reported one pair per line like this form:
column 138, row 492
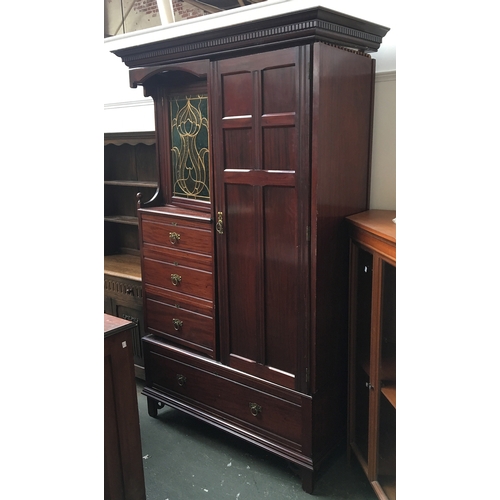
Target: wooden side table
column 123, row 471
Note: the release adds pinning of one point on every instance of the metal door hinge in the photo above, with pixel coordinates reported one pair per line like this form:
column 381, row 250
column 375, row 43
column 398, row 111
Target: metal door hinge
column 308, row 233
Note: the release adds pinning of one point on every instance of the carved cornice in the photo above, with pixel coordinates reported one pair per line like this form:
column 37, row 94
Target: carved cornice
column 317, row 24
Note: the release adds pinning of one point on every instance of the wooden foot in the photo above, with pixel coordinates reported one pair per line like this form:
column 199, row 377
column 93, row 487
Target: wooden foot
column 153, row 407
column 307, row 476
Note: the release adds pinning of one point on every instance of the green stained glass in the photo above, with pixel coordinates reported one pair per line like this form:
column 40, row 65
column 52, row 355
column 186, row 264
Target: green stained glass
column 190, row 152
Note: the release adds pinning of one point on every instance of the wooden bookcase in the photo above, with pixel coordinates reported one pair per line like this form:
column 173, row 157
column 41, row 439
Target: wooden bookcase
column 372, row 348
column 129, row 169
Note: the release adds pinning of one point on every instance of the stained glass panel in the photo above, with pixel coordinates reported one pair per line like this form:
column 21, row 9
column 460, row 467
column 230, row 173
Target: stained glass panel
column 190, row 149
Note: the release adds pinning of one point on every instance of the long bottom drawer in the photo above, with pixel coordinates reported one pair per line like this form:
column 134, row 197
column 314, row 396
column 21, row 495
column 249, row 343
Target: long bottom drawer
column 219, row 395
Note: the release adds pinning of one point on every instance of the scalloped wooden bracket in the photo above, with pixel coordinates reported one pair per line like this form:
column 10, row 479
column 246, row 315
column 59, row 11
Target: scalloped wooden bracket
column 140, row 76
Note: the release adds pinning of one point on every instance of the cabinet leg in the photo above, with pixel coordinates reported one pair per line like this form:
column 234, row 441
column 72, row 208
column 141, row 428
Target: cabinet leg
column 153, row 407
column 307, row 476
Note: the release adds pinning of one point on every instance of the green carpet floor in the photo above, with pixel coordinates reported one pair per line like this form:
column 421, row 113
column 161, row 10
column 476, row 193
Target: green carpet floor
column 185, row 459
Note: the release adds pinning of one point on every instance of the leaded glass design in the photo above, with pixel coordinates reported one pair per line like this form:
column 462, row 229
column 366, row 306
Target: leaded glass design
column 190, row 152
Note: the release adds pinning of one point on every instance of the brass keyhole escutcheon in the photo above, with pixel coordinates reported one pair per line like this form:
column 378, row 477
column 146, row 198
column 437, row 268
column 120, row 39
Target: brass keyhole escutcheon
column 220, row 223
column 181, row 379
column 255, row 409
column 176, row 279
column 177, row 324
column 174, row 237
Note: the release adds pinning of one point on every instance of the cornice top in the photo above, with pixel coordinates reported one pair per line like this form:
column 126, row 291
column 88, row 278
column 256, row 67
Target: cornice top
column 273, row 23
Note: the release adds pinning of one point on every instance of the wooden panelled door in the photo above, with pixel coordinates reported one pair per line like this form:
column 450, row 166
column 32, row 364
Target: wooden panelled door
column 261, row 162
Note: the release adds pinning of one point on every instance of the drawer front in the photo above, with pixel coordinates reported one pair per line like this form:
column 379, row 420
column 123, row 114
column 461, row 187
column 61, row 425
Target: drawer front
column 178, row 278
column 195, row 304
column 171, row 234
column 182, row 326
column 273, row 417
column 187, row 259
column 123, row 289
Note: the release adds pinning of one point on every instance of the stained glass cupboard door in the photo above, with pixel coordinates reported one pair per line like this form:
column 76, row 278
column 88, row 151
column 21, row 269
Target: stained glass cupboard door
column 190, row 153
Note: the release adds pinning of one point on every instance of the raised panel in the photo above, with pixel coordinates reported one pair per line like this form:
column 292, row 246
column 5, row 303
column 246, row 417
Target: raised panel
column 282, row 286
column 279, row 148
column 237, row 93
column 242, row 270
column 277, row 97
column 239, row 149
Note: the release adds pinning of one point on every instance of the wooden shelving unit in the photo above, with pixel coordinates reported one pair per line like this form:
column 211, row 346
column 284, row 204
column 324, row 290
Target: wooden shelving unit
column 129, row 168
column 372, row 348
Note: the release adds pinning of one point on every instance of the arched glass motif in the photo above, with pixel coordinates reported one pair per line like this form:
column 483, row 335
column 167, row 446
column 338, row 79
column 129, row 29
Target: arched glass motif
column 190, row 151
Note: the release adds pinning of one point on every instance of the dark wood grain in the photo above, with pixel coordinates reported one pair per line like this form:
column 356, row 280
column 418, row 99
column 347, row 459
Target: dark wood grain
column 265, row 262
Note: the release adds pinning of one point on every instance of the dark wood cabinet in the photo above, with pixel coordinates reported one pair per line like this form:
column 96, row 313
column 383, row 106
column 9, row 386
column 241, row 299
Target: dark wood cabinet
column 372, row 329
column 263, row 148
column 129, row 168
column 123, row 471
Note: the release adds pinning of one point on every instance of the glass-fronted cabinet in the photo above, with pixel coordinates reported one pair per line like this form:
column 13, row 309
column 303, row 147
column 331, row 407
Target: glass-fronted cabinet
column 372, row 348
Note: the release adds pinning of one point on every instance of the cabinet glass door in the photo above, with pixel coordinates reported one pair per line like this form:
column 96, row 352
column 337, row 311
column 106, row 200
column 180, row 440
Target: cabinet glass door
column 361, row 317
column 386, row 458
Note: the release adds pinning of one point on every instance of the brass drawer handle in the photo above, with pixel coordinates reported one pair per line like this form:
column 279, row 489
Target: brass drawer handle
column 176, row 279
column 177, row 324
column 181, row 379
column 255, row 409
column 174, row 237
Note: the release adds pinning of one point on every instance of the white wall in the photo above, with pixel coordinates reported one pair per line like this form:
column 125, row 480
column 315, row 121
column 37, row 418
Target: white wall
column 383, row 179
column 127, row 110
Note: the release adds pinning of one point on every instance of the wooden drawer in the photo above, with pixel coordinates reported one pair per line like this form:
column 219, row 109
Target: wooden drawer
column 195, row 304
column 190, row 236
column 182, row 326
column 178, row 278
column 274, row 417
column 181, row 257
column 123, row 289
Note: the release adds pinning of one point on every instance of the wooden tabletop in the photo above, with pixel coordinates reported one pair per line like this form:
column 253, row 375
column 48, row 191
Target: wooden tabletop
column 378, row 222
column 113, row 325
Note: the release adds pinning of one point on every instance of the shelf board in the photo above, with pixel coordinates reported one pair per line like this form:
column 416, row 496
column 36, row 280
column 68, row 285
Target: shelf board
column 146, row 184
column 385, row 487
column 389, row 391
column 122, row 219
column 123, row 266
